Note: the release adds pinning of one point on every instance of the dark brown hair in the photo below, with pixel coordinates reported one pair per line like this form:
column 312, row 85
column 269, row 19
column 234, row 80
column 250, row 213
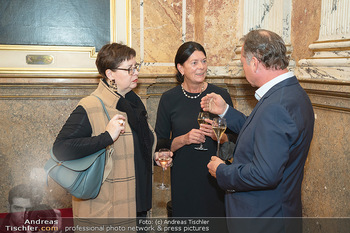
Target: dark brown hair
column 183, row 53
column 111, row 55
column 267, row 47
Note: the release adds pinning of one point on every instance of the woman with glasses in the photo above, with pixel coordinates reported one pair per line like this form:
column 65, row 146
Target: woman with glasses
column 127, row 190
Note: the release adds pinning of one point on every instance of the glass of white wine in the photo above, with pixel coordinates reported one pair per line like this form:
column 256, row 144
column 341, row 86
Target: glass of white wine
column 201, row 120
column 163, row 158
column 219, row 126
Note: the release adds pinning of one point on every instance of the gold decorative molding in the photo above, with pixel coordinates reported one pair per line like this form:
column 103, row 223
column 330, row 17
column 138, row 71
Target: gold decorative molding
column 67, row 61
column 39, row 48
column 113, row 20
column 115, row 30
column 31, row 97
column 128, row 22
column 48, row 72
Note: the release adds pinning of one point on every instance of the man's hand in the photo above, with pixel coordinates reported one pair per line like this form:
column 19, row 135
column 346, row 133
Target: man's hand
column 213, row 165
column 213, row 103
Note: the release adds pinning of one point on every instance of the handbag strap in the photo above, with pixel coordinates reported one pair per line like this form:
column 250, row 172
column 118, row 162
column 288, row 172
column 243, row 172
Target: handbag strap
column 103, row 105
column 109, row 152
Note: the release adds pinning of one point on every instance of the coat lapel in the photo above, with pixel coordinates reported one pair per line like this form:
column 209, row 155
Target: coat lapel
column 290, row 81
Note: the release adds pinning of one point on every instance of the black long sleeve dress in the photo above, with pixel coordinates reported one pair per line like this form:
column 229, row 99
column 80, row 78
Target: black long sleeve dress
column 194, row 192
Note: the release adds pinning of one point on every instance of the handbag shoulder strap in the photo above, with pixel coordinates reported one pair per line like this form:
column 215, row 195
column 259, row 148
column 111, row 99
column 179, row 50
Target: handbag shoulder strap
column 109, row 165
column 103, row 105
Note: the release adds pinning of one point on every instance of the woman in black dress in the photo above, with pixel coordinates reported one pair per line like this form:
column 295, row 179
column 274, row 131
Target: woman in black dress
column 194, row 191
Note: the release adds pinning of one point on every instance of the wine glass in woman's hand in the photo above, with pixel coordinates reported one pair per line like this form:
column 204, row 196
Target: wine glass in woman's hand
column 164, row 159
column 201, row 120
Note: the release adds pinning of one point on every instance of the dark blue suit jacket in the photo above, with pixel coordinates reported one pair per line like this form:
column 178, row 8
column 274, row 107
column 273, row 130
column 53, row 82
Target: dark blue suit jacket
column 265, row 177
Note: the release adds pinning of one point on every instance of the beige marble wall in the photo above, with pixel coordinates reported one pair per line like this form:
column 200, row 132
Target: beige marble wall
column 162, row 26
column 31, row 117
column 326, row 191
column 306, row 20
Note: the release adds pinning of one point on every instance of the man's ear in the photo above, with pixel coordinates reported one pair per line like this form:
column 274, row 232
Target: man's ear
column 254, row 64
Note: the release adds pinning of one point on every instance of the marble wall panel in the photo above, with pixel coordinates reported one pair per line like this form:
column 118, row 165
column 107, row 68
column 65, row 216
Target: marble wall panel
column 27, row 129
column 221, row 37
column 136, row 27
column 306, row 18
column 31, row 117
column 162, row 30
column 160, row 27
column 326, row 186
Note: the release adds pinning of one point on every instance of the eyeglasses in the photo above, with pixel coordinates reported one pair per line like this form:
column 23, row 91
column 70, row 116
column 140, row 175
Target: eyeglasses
column 132, row 69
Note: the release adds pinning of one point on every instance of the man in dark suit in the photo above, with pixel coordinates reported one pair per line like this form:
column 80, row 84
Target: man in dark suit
column 264, row 179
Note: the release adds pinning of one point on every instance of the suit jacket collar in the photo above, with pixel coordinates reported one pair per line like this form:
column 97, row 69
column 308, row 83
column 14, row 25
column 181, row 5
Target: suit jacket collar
column 290, row 81
column 267, row 86
column 287, row 82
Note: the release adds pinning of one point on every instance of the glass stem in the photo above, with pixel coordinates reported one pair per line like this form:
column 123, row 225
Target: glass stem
column 217, row 150
column 163, row 177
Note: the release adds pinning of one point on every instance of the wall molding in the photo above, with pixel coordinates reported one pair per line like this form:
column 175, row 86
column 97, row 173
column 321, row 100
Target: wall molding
column 328, row 94
column 67, row 61
column 324, row 94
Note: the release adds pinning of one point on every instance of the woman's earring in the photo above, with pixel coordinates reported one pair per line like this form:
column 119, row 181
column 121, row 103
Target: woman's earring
column 112, row 84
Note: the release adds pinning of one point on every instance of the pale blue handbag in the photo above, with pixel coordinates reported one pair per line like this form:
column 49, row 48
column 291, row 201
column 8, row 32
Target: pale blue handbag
column 80, row 177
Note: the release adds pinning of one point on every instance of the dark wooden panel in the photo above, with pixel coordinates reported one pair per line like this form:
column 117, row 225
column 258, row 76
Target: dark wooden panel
column 52, row 22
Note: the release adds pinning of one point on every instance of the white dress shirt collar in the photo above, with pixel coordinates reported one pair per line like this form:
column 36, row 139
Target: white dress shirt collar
column 267, row 86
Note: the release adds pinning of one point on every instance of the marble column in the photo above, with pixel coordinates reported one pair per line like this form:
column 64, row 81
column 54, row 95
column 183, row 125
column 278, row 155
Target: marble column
column 331, row 59
column 273, row 15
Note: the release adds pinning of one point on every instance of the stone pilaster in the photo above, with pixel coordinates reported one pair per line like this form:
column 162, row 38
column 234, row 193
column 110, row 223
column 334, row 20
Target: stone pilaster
column 331, row 59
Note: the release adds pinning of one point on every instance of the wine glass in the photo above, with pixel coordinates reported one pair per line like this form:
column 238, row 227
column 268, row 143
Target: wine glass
column 163, row 158
column 201, row 120
column 219, row 126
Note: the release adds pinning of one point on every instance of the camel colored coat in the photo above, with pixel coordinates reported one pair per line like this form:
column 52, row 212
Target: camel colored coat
column 117, row 197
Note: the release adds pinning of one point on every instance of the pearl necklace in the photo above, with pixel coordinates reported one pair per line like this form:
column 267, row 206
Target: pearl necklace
column 191, row 97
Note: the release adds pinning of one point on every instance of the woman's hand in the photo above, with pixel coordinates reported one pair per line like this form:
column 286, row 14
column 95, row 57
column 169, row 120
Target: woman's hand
column 195, row 136
column 116, row 126
column 207, row 130
column 169, row 163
